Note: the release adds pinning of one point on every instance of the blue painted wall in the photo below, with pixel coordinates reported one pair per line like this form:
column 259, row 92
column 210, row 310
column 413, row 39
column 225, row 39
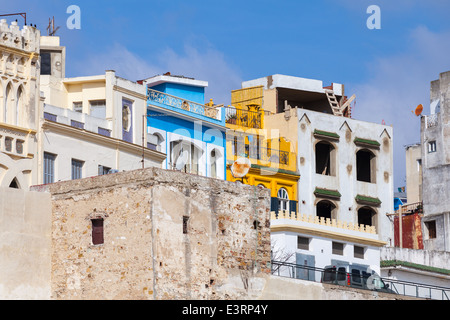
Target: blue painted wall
column 192, row 93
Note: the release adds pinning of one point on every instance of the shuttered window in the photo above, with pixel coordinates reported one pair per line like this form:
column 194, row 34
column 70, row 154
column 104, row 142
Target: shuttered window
column 97, row 231
column 49, row 168
column 77, row 169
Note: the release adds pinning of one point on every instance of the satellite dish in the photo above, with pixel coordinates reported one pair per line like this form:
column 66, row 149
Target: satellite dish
column 181, row 160
column 418, row 110
column 240, row 167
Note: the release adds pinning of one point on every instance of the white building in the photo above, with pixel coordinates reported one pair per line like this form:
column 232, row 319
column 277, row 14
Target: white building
column 91, row 125
column 19, row 104
column 345, row 168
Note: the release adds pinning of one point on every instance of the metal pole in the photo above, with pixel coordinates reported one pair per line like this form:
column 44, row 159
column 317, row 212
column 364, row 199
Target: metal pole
column 400, row 231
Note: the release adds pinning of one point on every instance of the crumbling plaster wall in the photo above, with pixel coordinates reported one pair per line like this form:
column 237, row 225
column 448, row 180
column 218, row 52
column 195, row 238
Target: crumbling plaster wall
column 146, row 254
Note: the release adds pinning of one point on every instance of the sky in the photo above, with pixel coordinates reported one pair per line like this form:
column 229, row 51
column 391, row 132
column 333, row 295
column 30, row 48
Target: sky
column 227, row 42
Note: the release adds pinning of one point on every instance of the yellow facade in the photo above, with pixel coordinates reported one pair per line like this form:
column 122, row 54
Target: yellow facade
column 273, row 157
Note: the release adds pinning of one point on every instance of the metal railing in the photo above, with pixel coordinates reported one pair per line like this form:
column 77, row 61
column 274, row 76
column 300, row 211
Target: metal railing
column 183, row 104
column 365, row 281
column 262, row 153
column 243, row 118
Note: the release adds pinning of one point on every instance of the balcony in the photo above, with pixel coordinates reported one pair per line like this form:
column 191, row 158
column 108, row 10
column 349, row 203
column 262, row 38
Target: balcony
column 262, row 156
column 243, row 118
column 164, row 100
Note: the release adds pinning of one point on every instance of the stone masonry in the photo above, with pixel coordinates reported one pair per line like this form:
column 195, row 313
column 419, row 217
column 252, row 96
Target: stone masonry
column 167, row 235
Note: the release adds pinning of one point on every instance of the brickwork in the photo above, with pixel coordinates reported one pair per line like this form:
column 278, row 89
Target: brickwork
column 167, row 235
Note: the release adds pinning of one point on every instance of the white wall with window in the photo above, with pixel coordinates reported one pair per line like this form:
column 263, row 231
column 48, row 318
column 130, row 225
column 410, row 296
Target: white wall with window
column 322, row 251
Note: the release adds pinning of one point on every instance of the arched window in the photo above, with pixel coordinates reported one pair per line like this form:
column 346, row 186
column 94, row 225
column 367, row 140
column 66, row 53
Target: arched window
column 8, row 103
column 365, row 166
column 326, row 209
column 325, row 158
column 283, row 200
column 185, row 156
column 19, row 105
column 367, row 216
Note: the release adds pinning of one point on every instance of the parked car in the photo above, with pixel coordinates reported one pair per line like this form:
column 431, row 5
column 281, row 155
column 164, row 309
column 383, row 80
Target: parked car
column 356, row 276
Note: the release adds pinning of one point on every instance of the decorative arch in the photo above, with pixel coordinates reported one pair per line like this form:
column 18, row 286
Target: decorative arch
column 325, row 156
column 20, row 106
column 367, row 216
column 8, row 103
column 326, row 209
column 283, row 199
column 365, row 166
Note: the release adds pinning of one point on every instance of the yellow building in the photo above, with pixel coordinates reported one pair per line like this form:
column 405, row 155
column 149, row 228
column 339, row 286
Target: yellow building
column 272, row 156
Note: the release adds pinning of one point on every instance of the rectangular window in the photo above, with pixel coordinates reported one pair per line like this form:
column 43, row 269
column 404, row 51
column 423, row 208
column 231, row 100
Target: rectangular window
column 431, row 227
column 185, row 224
column 102, row 170
column 8, row 144
column 358, row 252
column 302, row 243
column 98, row 108
column 77, row 124
column 97, row 231
column 77, row 169
column 338, row 248
column 49, row 168
column 77, row 106
column 431, row 146
column 46, row 63
column 19, row 146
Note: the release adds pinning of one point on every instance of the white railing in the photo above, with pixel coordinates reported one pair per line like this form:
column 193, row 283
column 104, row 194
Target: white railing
column 176, row 102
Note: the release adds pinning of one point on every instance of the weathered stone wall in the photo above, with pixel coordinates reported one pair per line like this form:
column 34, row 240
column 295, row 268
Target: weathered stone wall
column 224, row 254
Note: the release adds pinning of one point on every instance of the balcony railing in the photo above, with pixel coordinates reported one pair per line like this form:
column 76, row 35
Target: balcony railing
column 263, row 154
column 243, row 118
column 182, row 104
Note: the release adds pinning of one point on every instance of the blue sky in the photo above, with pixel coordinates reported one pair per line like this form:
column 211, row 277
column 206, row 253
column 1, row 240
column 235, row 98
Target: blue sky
column 227, row 42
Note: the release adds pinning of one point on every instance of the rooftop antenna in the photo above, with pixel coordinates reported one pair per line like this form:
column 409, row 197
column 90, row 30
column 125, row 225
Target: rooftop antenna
column 51, row 30
column 22, row 14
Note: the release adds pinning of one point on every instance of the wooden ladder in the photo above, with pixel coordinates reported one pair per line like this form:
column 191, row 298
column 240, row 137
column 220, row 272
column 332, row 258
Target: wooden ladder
column 333, row 102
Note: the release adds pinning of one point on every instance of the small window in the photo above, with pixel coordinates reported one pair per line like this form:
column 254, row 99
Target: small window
column 283, row 200
column 49, row 167
column 98, row 108
column 431, row 146
column 8, row 144
column 126, row 115
column 19, row 146
column 46, row 63
column 302, row 243
column 77, row 106
column 358, row 252
column 338, row 248
column 419, row 164
column 97, row 231
column 185, row 224
column 77, row 169
column 102, row 170
column 431, row 227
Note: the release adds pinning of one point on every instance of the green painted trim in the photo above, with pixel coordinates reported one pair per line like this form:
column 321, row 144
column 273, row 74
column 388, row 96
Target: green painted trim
column 326, row 192
column 326, row 133
column 393, row 263
column 367, row 199
column 367, row 141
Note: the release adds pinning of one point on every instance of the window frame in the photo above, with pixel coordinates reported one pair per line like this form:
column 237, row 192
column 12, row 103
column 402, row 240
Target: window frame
column 49, row 168
column 77, row 169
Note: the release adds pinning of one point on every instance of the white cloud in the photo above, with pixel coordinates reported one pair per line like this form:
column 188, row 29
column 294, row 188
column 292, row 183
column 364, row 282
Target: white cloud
column 398, row 84
column 202, row 64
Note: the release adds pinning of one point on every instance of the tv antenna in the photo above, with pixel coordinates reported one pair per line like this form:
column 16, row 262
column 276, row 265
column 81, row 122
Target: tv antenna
column 51, row 30
column 22, row 14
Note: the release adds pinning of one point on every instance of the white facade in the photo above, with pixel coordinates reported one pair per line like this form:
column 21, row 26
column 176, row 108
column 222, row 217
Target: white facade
column 347, row 137
column 19, row 104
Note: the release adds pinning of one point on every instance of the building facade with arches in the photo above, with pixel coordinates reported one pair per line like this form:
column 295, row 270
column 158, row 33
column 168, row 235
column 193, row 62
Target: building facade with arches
column 19, row 104
column 345, row 173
